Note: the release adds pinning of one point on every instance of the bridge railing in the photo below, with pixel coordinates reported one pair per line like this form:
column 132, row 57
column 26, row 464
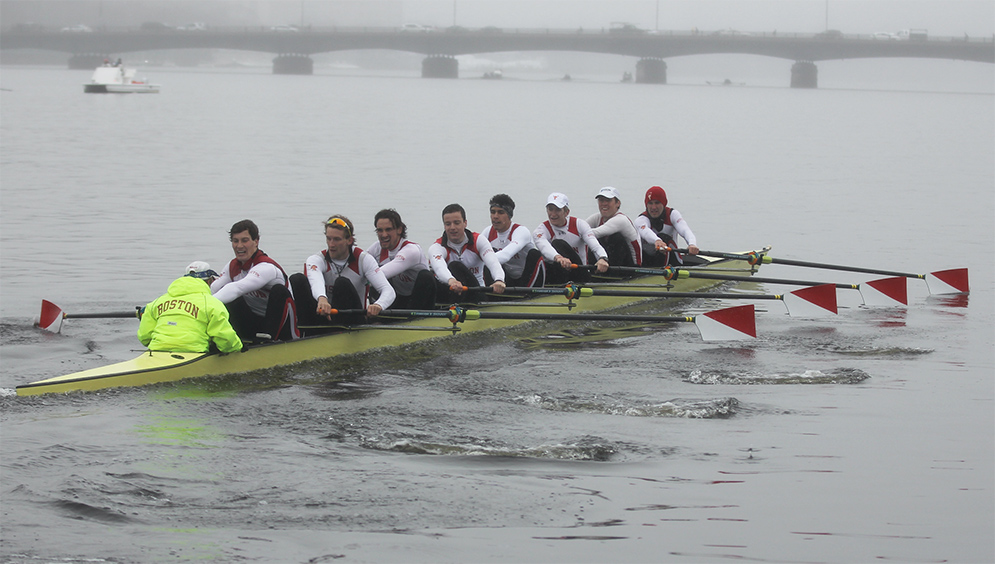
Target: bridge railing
column 725, row 33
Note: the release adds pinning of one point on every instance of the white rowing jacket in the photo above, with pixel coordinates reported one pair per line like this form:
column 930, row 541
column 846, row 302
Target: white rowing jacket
column 511, row 247
column 400, row 265
column 577, row 234
column 359, row 268
column 474, row 252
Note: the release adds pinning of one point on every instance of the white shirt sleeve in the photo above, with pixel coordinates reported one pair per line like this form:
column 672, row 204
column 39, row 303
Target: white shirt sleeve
column 520, row 239
column 646, row 233
column 258, row 277
column 487, row 254
column 374, row 275
column 616, row 224
column 314, row 269
column 405, row 258
column 437, row 260
column 221, row 281
column 541, row 238
column 682, row 227
column 591, row 240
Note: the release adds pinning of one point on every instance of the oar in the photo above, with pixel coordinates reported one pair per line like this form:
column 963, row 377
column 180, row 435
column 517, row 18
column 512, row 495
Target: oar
column 882, row 292
column 52, row 315
column 953, row 281
column 729, row 324
column 816, row 301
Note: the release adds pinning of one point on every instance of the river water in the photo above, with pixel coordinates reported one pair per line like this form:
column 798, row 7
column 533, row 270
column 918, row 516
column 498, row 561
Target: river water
column 864, row 437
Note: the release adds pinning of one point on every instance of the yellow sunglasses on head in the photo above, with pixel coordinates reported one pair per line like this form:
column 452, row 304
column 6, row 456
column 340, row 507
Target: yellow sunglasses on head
column 340, row 223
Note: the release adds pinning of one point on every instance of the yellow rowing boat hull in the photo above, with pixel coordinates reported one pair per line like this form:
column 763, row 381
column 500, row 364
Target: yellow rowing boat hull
column 156, row 367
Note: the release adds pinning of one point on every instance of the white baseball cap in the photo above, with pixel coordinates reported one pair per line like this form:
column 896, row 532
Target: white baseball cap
column 608, row 192
column 200, row 269
column 558, row 199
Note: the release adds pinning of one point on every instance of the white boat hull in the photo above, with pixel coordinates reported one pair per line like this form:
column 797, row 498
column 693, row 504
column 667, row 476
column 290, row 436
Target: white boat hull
column 117, row 80
column 121, row 88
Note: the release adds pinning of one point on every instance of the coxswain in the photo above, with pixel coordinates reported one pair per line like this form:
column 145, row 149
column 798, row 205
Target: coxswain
column 187, row 318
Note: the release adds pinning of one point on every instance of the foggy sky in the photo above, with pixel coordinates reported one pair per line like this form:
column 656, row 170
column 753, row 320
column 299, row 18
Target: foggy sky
column 940, row 17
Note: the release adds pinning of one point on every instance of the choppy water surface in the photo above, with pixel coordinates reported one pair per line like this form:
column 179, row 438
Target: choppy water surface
column 864, row 437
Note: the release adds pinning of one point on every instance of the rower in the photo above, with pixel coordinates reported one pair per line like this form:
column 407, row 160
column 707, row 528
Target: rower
column 255, row 289
column 458, row 257
column 187, row 318
column 565, row 241
column 337, row 277
column 402, row 262
column 615, row 231
column 659, row 227
column 512, row 243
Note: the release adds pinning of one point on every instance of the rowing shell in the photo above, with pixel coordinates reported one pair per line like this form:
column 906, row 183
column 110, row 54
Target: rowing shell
column 155, row 367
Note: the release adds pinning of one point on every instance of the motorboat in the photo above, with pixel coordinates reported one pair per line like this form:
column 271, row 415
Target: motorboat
column 117, row 79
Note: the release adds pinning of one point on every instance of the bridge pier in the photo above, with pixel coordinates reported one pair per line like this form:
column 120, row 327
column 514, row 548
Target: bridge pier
column 440, row 66
column 804, row 74
column 293, row 64
column 86, row 62
column 651, row 71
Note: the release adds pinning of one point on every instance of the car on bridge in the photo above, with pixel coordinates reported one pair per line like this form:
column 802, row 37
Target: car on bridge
column 829, row 34
column 731, row 33
column 416, row 28
column 622, row 27
column 78, row 28
column 285, row 28
column 885, row 36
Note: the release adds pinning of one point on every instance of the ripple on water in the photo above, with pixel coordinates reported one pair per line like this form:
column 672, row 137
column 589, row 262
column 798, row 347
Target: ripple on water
column 691, row 409
column 834, row 376
column 591, row 449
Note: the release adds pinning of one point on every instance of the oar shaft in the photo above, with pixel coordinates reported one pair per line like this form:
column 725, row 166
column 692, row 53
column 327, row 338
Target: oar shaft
column 843, row 267
column 107, row 315
column 789, row 262
column 397, row 312
column 638, row 294
column 709, row 276
column 577, row 317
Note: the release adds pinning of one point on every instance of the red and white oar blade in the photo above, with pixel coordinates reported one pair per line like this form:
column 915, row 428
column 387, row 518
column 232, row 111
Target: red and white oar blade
column 953, row 281
column 814, row 301
column 51, row 317
column 885, row 292
column 729, row 324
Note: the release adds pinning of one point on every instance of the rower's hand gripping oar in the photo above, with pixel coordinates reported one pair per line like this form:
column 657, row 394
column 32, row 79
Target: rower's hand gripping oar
column 729, row 324
column 52, row 315
column 952, row 281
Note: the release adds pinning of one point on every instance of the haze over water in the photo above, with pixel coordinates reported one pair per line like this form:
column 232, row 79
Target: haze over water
column 868, row 436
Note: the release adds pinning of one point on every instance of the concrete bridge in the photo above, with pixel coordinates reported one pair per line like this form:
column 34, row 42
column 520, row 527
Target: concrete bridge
column 294, row 47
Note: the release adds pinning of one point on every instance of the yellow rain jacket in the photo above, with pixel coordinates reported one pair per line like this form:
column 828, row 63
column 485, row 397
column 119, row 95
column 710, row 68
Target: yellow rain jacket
column 186, row 319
